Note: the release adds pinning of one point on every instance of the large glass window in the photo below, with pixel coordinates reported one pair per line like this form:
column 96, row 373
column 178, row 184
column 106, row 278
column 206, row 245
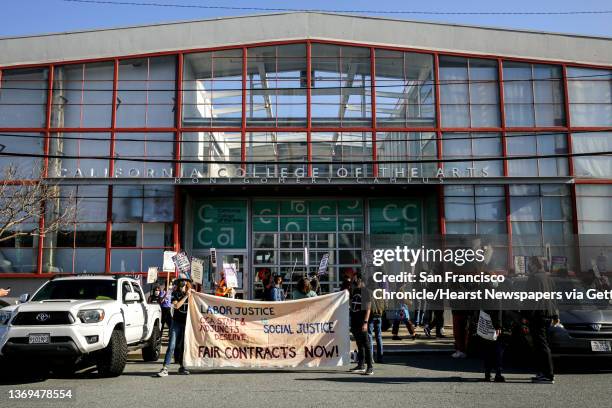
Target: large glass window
column 341, row 94
column 83, row 95
column 592, row 166
column 590, row 96
column 399, row 153
column 472, row 145
column 342, row 154
column 80, row 245
column 594, row 209
column 541, row 216
column 143, row 146
column 276, row 83
column 272, row 154
column 77, row 155
column 537, row 145
column 404, row 89
column 146, row 92
column 469, row 92
column 533, row 95
column 212, row 89
column 26, row 146
column 23, row 97
column 142, row 226
column 216, row 154
column 479, row 212
column 19, row 254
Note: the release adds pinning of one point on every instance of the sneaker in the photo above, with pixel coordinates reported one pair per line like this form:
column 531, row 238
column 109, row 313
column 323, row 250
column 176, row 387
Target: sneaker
column 369, row 371
column 427, row 331
column 459, row 354
column 396, row 338
column 499, row 378
column 540, row 379
column 163, row 372
column 183, row 371
column 440, row 336
column 487, row 377
column 358, row 369
column 413, row 336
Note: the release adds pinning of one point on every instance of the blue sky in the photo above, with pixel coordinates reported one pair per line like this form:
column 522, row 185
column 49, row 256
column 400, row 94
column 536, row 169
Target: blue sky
column 26, row 17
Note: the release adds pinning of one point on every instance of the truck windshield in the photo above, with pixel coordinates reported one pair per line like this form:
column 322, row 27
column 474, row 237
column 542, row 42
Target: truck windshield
column 85, row 289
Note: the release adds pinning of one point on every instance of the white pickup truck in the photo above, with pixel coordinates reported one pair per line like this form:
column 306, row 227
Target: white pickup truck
column 79, row 321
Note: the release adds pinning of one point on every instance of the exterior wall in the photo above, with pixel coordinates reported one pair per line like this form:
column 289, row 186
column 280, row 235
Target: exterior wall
column 459, row 111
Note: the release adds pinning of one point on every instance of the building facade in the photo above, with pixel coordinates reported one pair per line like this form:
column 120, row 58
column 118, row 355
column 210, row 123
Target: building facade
column 261, row 136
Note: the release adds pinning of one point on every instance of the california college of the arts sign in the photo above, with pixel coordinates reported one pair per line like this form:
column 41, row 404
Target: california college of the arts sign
column 279, row 175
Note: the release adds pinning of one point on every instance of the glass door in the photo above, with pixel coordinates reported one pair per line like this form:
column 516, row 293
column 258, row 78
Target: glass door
column 239, row 259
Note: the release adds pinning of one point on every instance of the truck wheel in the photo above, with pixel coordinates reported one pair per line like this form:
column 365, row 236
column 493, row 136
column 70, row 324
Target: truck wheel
column 112, row 359
column 153, row 349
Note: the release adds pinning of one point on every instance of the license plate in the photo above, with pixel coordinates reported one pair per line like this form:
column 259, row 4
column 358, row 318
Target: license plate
column 601, row 346
column 39, row 339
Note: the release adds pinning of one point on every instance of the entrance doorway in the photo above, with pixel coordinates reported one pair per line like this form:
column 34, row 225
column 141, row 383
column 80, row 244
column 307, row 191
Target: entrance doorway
column 240, row 261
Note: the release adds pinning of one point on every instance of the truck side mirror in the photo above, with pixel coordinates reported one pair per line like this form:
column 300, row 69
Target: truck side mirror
column 24, row 298
column 130, row 297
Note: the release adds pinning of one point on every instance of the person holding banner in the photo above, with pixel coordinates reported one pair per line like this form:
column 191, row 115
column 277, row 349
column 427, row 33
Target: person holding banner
column 180, row 302
column 360, row 308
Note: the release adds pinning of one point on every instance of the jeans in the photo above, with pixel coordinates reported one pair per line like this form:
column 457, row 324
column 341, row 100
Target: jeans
column 166, row 319
column 375, row 331
column 493, row 355
column 177, row 337
column 538, row 326
column 364, row 347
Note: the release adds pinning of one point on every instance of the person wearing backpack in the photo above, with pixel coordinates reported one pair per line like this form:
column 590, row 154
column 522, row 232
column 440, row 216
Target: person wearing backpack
column 375, row 323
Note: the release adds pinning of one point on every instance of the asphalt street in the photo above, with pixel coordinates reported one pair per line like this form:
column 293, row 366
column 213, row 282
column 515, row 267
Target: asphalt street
column 421, row 380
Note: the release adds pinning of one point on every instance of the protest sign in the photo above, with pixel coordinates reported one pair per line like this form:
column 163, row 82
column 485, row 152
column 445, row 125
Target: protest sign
column 520, row 265
column 183, row 265
column 224, row 332
column 213, row 257
column 231, row 277
column 323, row 264
column 168, row 265
column 197, row 270
column 152, row 274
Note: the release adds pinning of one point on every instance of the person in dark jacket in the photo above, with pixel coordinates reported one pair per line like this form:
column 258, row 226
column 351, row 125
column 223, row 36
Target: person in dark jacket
column 375, row 322
column 493, row 350
column 542, row 315
column 360, row 308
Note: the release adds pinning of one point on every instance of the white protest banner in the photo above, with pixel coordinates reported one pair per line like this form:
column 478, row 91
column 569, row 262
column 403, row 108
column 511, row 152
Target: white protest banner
column 168, row 265
column 224, row 332
column 152, row 274
column 182, row 264
column 323, row 264
column 197, row 270
column 231, row 278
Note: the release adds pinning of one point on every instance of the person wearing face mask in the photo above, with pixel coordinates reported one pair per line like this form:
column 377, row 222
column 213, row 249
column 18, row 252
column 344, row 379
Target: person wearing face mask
column 180, row 302
column 162, row 297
